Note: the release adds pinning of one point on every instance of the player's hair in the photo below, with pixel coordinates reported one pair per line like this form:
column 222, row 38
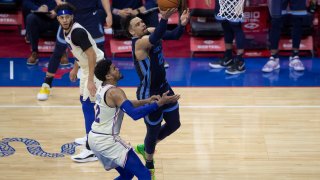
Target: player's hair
column 65, row 6
column 102, row 69
column 125, row 23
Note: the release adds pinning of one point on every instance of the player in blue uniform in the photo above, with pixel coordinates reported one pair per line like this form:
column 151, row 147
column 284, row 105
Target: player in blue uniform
column 149, row 64
column 278, row 8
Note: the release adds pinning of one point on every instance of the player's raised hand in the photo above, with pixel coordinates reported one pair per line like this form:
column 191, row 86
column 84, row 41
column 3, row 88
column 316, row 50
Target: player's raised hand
column 185, row 16
column 166, row 14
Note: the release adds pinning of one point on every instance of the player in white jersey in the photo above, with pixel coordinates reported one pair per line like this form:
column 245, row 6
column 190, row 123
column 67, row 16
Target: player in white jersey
column 85, row 50
column 111, row 103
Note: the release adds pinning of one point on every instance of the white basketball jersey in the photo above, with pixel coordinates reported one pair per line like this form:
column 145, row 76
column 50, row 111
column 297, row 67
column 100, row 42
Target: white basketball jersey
column 108, row 120
column 77, row 51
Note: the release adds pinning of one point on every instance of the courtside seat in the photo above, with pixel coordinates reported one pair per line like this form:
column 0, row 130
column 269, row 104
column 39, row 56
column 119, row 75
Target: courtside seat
column 10, row 15
column 47, row 42
column 120, row 42
column 205, row 27
column 206, row 33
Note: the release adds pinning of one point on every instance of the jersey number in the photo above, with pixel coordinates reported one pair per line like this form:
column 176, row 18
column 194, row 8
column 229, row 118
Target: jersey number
column 97, row 110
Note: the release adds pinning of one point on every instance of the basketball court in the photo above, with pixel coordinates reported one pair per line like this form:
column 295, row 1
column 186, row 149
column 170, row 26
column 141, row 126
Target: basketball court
column 247, row 126
column 250, row 126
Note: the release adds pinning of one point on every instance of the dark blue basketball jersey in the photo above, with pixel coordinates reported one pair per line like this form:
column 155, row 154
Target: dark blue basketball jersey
column 151, row 70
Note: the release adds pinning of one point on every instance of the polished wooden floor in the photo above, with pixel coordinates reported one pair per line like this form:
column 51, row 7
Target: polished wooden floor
column 226, row 133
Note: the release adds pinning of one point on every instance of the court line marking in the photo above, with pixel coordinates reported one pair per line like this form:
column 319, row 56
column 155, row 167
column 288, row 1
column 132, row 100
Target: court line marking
column 11, row 70
column 184, row 107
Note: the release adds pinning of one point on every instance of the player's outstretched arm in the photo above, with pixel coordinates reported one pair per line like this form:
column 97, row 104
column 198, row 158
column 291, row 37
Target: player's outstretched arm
column 117, row 97
column 178, row 31
column 146, row 42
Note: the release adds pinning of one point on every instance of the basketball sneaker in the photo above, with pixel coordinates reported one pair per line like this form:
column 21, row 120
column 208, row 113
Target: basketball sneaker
column 271, row 65
column 295, row 63
column 44, row 92
column 152, row 172
column 221, row 63
column 140, row 150
column 237, row 67
column 81, row 140
column 84, row 156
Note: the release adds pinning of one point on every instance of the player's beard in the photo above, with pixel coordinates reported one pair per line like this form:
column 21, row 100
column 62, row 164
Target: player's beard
column 69, row 27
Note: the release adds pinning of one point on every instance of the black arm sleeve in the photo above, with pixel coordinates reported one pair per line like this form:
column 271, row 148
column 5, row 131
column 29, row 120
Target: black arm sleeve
column 174, row 34
column 158, row 32
column 79, row 37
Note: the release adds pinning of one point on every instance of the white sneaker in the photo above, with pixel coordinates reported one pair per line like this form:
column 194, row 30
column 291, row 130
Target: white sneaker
column 44, row 92
column 81, row 140
column 166, row 64
column 295, row 63
column 271, row 65
column 84, row 156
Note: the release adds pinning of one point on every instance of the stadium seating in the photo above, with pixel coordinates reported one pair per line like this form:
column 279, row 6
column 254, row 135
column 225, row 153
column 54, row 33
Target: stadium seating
column 10, row 15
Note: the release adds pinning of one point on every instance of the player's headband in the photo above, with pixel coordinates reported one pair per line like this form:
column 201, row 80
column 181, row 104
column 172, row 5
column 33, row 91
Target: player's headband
column 64, row 12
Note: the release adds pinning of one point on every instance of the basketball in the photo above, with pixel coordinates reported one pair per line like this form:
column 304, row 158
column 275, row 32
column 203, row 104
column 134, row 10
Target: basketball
column 167, row 4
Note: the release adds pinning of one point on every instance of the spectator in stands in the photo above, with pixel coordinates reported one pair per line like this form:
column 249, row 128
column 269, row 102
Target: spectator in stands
column 122, row 9
column 41, row 19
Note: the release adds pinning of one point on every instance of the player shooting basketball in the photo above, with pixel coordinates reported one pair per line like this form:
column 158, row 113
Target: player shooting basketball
column 149, row 63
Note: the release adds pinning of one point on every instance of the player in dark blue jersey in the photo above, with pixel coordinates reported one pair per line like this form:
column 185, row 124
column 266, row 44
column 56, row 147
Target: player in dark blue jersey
column 278, row 8
column 149, row 64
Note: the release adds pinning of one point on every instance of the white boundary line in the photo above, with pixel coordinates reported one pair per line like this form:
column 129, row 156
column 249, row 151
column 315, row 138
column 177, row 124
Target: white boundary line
column 183, row 107
column 11, row 70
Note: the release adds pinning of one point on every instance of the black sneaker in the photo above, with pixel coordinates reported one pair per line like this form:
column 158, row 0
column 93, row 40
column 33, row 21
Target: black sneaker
column 237, row 68
column 221, row 63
